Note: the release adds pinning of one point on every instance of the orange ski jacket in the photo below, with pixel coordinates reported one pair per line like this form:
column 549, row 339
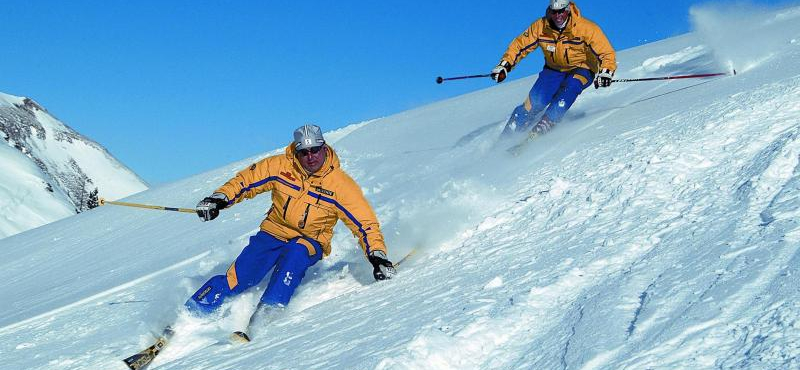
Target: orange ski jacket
column 582, row 44
column 307, row 205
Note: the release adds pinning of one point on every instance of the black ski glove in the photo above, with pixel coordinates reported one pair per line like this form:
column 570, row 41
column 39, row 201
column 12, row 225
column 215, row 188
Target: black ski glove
column 500, row 72
column 603, row 78
column 382, row 268
column 208, row 208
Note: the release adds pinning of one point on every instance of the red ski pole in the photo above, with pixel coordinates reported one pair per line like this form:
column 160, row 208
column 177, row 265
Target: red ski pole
column 705, row 75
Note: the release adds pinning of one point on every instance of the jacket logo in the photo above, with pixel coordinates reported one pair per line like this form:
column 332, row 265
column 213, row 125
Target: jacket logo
column 324, row 191
column 288, row 176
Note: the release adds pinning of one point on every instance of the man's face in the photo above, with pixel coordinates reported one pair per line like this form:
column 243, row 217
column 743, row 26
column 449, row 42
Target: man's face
column 312, row 159
column 559, row 17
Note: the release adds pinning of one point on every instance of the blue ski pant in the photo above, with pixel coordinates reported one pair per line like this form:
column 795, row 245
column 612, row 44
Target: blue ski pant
column 289, row 261
column 554, row 92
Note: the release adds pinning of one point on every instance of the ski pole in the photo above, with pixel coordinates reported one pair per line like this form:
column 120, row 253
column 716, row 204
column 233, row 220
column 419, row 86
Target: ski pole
column 675, row 77
column 441, row 79
column 409, row 254
column 138, row 205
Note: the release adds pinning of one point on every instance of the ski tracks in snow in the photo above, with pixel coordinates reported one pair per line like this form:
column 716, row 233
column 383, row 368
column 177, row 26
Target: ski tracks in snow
column 624, row 245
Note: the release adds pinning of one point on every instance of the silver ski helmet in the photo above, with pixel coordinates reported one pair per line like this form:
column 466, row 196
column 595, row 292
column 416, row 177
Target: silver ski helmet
column 308, row 136
column 559, row 4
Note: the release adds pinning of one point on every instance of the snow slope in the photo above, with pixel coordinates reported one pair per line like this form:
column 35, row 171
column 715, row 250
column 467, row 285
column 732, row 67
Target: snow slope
column 657, row 228
column 49, row 169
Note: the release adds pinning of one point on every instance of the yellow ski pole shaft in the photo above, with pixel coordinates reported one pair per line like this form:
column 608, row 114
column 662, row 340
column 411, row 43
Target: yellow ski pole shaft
column 408, row 255
column 138, row 205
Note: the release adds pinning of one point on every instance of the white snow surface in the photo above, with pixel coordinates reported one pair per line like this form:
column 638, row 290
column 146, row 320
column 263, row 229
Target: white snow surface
column 655, row 228
column 44, row 160
column 25, row 202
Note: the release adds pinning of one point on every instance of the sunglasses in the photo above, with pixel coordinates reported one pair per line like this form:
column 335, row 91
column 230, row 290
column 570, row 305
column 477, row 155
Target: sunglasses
column 559, row 11
column 305, row 152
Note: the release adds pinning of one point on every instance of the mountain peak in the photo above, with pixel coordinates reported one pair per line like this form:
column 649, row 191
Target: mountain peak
column 31, row 105
column 56, row 167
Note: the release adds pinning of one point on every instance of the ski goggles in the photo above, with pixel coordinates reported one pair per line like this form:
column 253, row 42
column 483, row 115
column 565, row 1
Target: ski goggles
column 306, row 152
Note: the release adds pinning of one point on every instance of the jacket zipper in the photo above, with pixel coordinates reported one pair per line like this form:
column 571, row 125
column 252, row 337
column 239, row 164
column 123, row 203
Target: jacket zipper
column 286, row 206
column 305, row 217
column 566, row 48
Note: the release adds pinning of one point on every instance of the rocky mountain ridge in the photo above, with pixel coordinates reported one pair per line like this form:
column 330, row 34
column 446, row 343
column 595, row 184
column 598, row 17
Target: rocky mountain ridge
column 70, row 166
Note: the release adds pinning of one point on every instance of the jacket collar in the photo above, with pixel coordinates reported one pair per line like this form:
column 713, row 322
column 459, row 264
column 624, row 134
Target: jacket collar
column 331, row 162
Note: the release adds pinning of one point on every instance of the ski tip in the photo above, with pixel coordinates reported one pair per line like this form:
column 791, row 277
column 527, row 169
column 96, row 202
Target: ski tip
column 138, row 361
column 240, row 337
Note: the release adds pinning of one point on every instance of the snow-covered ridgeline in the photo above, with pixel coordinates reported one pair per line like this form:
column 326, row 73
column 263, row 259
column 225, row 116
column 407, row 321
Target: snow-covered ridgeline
column 50, row 170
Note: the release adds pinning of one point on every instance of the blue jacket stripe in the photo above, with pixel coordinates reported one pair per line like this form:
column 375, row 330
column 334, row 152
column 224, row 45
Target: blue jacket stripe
column 594, row 52
column 348, row 214
column 262, row 182
column 516, row 58
column 282, row 181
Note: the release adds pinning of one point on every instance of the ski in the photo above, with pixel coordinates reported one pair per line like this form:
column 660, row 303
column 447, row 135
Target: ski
column 516, row 150
column 240, row 337
column 140, row 360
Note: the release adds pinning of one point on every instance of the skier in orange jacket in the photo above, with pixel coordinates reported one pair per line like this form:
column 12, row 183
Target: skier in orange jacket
column 310, row 193
column 576, row 52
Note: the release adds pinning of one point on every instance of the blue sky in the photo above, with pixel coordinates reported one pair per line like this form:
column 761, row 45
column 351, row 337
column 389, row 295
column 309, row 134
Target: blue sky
column 175, row 88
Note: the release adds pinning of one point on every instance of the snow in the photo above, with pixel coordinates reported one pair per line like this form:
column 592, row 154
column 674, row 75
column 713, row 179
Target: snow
column 65, row 165
column 22, row 203
column 746, row 35
column 656, row 228
column 115, row 180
